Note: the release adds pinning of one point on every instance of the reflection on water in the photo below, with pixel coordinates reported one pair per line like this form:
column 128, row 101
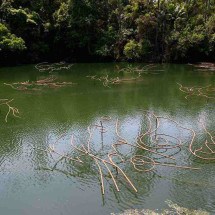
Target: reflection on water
column 30, row 186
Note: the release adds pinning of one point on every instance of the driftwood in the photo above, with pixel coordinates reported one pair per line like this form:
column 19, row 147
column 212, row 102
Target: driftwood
column 47, row 67
column 111, row 163
column 138, row 72
column 207, row 92
column 11, row 109
column 107, row 81
column 49, row 82
column 207, row 150
column 204, row 66
column 148, row 69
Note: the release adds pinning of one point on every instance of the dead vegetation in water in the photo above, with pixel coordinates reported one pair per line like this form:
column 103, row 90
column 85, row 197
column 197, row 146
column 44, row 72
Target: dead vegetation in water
column 148, row 69
column 204, row 66
column 207, row 92
column 206, row 151
column 150, row 150
column 174, row 209
column 50, row 67
column 40, row 84
column 108, row 81
column 11, row 110
column 136, row 72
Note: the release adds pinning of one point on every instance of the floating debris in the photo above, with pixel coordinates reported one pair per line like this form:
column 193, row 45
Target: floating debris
column 204, row 66
column 111, row 162
column 107, row 81
column 50, row 67
column 11, row 109
column 138, row 72
column 205, row 92
column 49, row 82
column 148, row 69
column 174, row 209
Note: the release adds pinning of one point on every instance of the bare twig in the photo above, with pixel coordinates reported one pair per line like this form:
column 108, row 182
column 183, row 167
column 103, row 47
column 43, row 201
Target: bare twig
column 11, row 109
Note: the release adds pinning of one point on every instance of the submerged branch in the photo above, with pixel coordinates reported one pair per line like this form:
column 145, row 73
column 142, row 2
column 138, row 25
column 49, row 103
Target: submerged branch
column 11, row 109
column 39, row 85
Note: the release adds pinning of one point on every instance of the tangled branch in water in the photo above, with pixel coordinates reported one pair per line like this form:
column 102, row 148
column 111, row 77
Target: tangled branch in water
column 107, row 81
column 110, row 163
column 47, row 67
column 11, row 109
column 207, row 150
column 205, row 66
column 137, row 75
column 204, row 92
column 148, row 69
column 38, row 85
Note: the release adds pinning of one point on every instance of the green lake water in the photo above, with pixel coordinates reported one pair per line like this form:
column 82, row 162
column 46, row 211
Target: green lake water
column 27, row 184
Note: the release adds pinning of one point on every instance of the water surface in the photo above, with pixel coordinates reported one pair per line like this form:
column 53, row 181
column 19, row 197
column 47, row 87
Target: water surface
column 27, row 185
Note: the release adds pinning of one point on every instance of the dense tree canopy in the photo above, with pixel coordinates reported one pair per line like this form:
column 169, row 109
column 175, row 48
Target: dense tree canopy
column 142, row 30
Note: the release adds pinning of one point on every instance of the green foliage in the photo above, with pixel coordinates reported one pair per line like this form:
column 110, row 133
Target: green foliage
column 24, row 15
column 61, row 16
column 104, row 47
column 132, row 49
column 10, row 41
column 119, row 29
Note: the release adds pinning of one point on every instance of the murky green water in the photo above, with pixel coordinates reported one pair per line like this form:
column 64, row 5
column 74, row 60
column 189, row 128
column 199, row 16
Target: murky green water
column 28, row 186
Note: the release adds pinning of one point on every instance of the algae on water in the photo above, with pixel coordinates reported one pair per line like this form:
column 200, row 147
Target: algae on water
column 174, row 209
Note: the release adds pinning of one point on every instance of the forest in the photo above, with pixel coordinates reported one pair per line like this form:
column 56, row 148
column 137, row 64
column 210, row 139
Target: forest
column 33, row 31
